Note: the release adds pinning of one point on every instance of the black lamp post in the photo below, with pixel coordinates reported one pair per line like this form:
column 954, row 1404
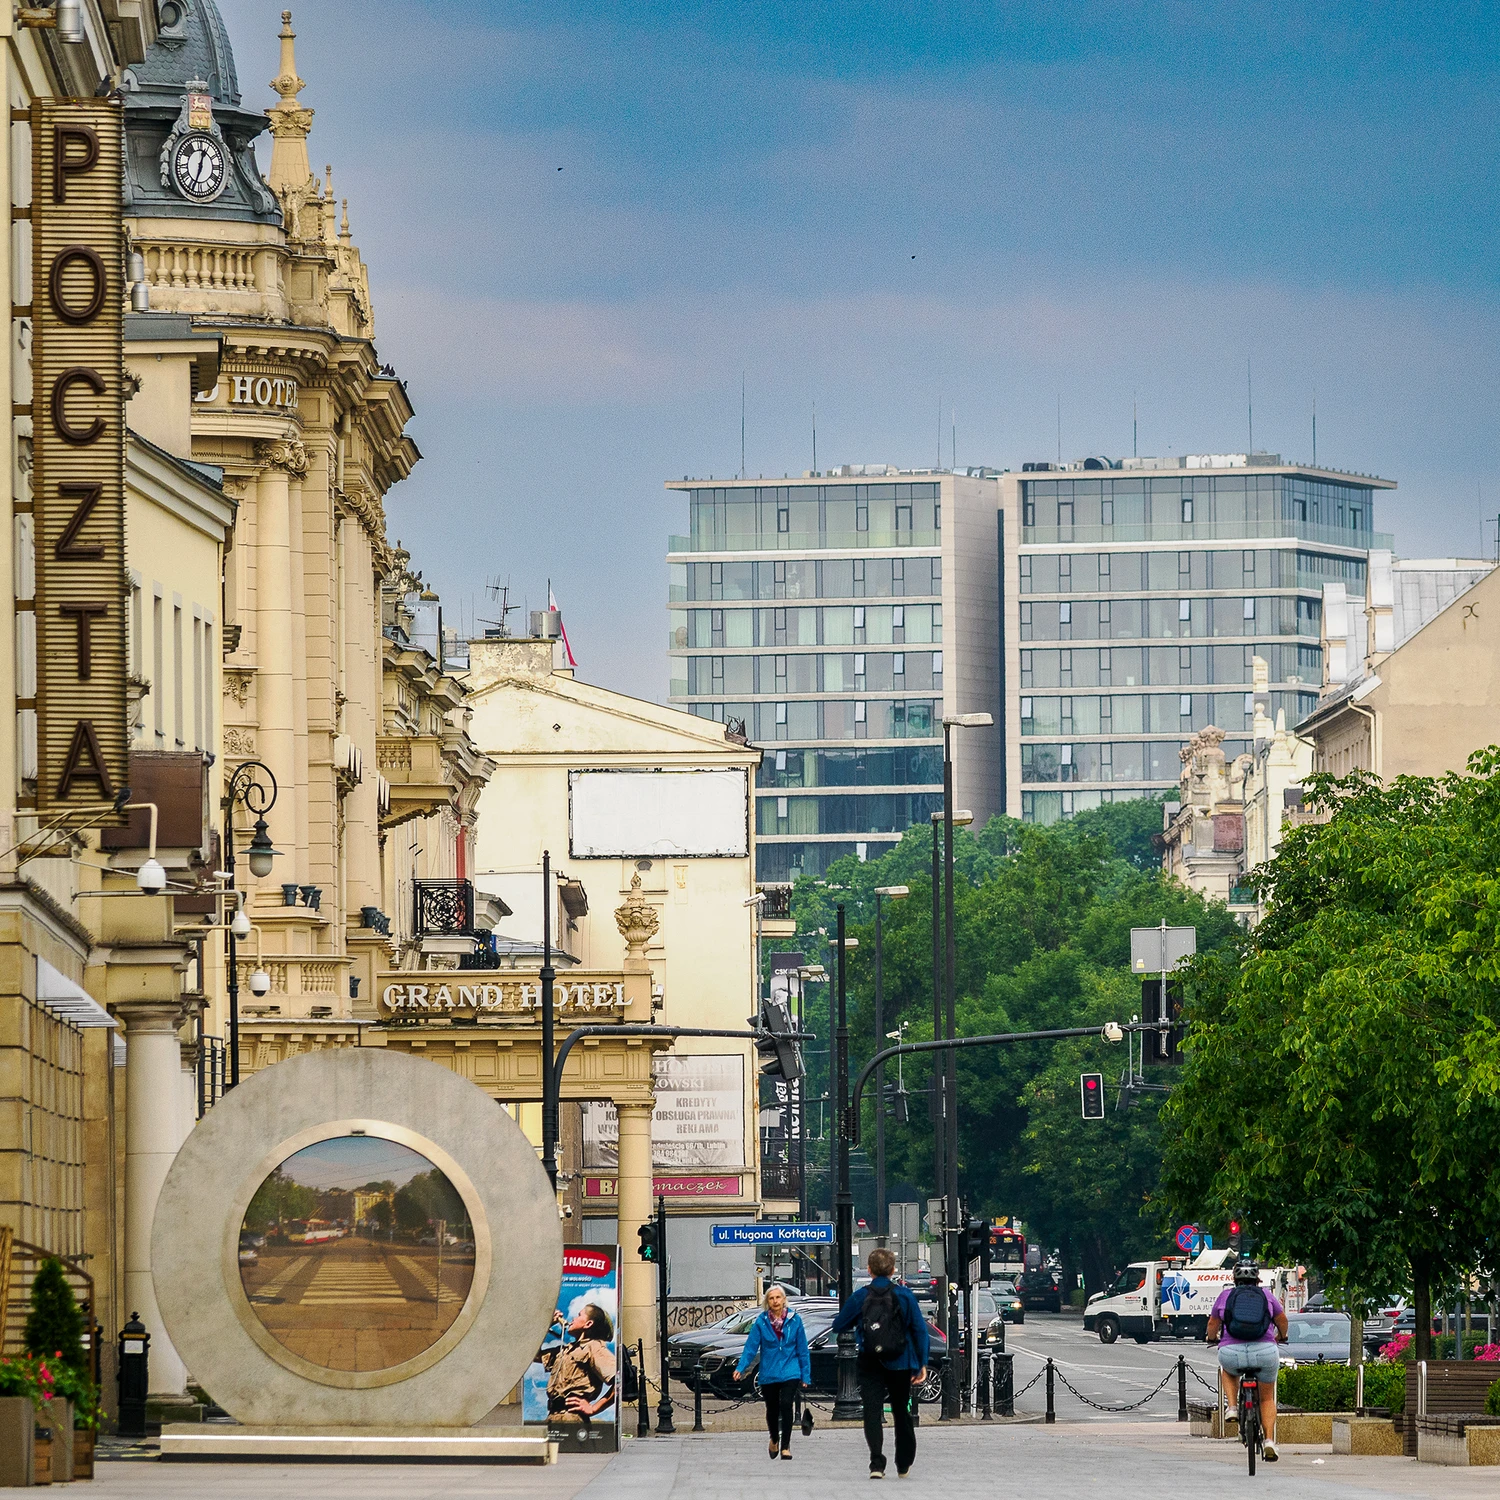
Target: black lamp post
column 882, row 1227
column 254, row 787
column 847, row 1406
column 548, row 977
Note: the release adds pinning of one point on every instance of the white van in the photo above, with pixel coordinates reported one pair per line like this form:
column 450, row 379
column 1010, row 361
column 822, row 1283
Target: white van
column 1172, row 1298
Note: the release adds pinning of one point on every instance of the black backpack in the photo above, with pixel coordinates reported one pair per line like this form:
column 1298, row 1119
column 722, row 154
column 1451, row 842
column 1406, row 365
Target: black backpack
column 882, row 1324
column 1247, row 1314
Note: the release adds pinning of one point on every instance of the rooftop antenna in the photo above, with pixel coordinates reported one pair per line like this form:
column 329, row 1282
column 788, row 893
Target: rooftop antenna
column 815, row 439
column 940, row 432
column 1315, row 427
column 742, row 425
column 1059, row 428
column 1250, row 405
column 1135, row 426
column 500, row 592
column 952, row 412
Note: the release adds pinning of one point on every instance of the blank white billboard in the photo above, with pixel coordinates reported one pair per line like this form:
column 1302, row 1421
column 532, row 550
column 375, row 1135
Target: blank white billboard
column 658, row 814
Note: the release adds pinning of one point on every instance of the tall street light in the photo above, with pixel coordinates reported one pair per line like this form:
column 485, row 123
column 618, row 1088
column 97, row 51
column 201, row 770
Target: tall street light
column 952, row 1239
column 847, row 1406
column 935, row 1098
column 882, row 1227
column 253, row 787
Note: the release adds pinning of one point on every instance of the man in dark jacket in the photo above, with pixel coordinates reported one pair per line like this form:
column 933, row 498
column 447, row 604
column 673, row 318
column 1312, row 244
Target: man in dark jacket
column 890, row 1367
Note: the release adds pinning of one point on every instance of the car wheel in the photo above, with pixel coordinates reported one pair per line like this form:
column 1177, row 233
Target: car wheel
column 1109, row 1330
column 1141, row 1338
column 931, row 1389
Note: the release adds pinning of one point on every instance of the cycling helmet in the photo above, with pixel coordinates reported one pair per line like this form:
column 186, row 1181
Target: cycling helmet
column 1246, row 1273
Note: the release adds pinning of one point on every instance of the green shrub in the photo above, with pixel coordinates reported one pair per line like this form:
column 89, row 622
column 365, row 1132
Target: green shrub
column 54, row 1327
column 1317, row 1387
column 1443, row 1343
column 1492, row 1401
column 1078, row 1297
column 1385, row 1385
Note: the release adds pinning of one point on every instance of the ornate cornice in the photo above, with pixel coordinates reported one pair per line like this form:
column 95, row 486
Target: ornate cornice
column 283, row 453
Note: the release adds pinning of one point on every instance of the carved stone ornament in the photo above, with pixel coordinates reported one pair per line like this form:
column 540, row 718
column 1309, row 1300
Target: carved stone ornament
column 636, row 919
column 239, row 742
column 237, row 685
column 283, row 453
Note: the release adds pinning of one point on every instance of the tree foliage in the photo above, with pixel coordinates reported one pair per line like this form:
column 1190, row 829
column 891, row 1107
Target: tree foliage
column 54, row 1326
column 1342, row 1088
column 1042, row 920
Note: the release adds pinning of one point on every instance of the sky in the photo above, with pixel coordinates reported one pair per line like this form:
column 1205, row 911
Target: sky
column 350, row 1161
column 589, row 227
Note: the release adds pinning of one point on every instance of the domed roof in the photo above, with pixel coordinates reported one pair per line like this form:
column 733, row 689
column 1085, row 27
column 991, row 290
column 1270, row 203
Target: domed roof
column 191, row 57
column 192, row 43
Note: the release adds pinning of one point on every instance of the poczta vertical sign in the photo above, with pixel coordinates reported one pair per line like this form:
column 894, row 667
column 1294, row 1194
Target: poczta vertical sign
column 78, row 451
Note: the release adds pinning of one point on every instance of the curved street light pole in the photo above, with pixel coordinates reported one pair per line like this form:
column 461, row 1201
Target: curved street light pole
column 258, row 796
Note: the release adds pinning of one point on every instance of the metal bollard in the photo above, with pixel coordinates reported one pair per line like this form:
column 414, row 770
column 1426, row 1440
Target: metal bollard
column 947, row 1379
column 134, row 1377
column 986, row 1382
column 1051, row 1403
column 643, row 1415
column 1182, row 1411
column 1005, row 1391
column 697, row 1399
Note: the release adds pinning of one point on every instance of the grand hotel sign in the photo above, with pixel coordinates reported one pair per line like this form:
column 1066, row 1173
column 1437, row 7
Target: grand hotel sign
column 78, row 451
column 514, row 997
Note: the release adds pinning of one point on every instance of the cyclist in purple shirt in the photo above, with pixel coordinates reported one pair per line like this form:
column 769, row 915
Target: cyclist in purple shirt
column 1247, row 1322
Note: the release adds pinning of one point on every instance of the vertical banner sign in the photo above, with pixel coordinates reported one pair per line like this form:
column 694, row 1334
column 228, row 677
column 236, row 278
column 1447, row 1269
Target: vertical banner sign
column 78, row 438
column 573, row 1385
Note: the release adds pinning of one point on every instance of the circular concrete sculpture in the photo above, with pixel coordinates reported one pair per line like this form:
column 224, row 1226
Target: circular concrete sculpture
column 357, row 1238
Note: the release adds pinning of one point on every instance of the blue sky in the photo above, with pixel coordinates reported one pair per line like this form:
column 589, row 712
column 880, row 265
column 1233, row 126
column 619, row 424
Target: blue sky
column 877, row 207
column 350, row 1161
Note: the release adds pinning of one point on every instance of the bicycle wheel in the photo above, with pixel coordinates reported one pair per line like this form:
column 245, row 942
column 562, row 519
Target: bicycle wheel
column 1250, row 1422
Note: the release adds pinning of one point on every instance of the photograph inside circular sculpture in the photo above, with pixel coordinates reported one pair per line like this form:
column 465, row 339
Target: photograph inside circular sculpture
column 356, row 1253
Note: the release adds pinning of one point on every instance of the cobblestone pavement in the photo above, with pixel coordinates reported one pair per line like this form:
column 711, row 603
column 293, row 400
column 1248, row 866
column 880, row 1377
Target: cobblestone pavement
column 1136, row 1461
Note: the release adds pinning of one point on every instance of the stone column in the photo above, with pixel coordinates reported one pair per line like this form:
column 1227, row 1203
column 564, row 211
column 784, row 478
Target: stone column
column 637, row 1277
column 276, row 608
column 153, row 1132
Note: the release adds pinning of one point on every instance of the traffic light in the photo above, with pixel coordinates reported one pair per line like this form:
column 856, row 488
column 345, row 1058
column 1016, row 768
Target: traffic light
column 1162, row 1046
column 647, row 1232
column 977, row 1250
column 1234, row 1235
column 1091, row 1087
column 895, row 1103
column 780, row 1056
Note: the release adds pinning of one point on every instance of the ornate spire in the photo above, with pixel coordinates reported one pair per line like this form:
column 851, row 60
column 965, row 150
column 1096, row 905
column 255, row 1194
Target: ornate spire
column 345, row 238
column 330, row 209
column 291, row 177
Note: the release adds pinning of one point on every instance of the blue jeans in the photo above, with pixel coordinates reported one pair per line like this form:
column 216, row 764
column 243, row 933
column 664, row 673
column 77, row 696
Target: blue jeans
column 1260, row 1359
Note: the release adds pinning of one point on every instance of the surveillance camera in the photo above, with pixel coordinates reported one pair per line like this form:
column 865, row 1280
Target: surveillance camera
column 1113, row 1032
column 240, row 925
column 151, row 877
column 260, row 982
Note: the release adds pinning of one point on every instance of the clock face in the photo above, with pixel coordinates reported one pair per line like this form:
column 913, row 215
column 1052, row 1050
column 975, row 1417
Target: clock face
column 198, row 167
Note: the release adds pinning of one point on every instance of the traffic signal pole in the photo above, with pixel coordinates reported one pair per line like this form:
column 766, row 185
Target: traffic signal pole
column 952, row 1240
column 664, row 1406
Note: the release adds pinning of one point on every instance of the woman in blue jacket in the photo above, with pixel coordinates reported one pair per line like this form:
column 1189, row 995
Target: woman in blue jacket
column 780, row 1340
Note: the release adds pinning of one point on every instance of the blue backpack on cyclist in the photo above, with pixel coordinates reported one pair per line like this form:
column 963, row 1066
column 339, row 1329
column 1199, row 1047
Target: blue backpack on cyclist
column 1247, row 1314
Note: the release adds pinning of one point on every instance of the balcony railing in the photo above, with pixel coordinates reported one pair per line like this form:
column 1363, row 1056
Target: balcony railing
column 443, row 908
column 778, row 903
column 780, row 1179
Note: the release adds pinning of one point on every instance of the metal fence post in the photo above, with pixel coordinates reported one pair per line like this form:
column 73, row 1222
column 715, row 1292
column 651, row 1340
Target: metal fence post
column 697, row 1398
column 1005, row 1385
column 986, row 1384
column 1182, row 1411
column 1051, row 1403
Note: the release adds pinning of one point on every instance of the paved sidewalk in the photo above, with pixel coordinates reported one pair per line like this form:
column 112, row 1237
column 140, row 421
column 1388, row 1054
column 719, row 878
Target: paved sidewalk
column 1135, row 1461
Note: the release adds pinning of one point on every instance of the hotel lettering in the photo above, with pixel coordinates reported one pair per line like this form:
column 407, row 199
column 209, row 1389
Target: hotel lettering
column 78, row 436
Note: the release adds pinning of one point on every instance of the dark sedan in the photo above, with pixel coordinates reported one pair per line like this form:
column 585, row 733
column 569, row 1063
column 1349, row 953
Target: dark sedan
column 1040, row 1288
column 825, row 1371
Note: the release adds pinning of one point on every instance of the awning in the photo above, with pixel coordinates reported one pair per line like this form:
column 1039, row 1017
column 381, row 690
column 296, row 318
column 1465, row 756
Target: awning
column 68, row 1001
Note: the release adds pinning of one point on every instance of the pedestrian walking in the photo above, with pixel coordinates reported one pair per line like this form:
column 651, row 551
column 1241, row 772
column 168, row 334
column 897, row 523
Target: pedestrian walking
column 892, row 1337
column 780, row 1340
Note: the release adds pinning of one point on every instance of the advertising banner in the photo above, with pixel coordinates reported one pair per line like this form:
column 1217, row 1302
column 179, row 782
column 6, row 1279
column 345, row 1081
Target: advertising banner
column 699, row 1119
column 572, row 1387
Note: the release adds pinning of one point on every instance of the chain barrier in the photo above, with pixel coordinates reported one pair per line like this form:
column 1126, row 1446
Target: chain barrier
column 1170, row 1376
column 1206, row 1384
column 1018, row 1394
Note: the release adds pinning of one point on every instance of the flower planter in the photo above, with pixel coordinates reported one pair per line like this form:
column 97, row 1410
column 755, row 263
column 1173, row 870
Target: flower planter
column 83, row 1453
column 17, row 1441
column 57, row 1418
column 42, row 1447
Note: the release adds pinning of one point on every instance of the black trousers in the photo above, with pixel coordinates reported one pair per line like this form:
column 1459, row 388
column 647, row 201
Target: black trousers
column 779, row 1397
column 877, row 1385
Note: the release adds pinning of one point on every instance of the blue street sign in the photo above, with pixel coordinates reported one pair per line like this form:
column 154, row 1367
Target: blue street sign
column 773, row 1234
column 1186, row 1236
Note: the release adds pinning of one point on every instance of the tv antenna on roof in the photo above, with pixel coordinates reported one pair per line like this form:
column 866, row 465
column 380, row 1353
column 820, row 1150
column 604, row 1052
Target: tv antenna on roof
column 500, row 592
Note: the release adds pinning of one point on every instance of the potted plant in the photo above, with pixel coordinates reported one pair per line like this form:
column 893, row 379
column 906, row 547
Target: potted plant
column 75, row 1387
column 54, row 1335
column 25, row 1384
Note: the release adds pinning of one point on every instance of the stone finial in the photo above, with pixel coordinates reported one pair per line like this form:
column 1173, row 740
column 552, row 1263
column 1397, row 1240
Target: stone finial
column 291, row 176
column 638, row 922
column 286, row 83
column 345, row 238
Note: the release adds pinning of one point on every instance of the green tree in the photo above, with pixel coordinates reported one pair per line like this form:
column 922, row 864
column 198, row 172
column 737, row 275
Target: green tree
column 278, row 1199
column 54, row 1326
column 1342, row 1091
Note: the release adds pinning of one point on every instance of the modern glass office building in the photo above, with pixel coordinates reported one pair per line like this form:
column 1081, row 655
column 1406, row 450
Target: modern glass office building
column 819, row 613
column 1142, row 591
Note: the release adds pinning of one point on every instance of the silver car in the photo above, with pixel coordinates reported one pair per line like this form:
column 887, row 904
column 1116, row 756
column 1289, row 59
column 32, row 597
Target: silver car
column 1316, row 1337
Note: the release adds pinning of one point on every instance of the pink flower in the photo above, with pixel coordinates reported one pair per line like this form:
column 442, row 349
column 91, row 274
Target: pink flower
column 1490, row 1352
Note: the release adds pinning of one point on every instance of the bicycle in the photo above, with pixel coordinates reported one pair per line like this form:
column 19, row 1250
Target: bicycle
column 1251, row 1433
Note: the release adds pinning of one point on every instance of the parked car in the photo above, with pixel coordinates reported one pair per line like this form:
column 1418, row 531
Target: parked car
column 823, row 1348
column 1008, row 1301
column 1316, row 1338
column 710, row 1354
column 1040, row 1288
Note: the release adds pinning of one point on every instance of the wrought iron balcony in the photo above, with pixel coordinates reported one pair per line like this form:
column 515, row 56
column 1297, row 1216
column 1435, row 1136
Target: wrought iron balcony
column 780, row 1179
column 443, row 908
column 778, row 903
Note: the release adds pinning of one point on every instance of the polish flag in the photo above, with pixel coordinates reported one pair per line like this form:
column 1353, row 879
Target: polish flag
column 552, row 604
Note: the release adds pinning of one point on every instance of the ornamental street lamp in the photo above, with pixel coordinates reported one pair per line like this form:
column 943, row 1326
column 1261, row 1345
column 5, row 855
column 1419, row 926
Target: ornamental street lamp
column 253, row 787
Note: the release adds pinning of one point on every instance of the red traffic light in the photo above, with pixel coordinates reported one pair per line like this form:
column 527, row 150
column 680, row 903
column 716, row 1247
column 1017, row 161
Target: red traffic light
column 1090, row 1083
column 1234, row 1226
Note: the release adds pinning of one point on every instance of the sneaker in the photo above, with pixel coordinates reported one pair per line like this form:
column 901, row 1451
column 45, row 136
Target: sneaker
column 1268, row 1453
column 877, row 1473
column 902, row 1473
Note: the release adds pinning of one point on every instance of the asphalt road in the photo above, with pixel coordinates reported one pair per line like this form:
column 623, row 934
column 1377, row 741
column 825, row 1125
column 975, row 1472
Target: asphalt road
column 1109, row 1374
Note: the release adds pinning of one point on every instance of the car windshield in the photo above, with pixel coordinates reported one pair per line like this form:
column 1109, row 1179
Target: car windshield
column 1327, row 1331
column 1003, row 1288
column 1133, row 1279
column 985, row 1306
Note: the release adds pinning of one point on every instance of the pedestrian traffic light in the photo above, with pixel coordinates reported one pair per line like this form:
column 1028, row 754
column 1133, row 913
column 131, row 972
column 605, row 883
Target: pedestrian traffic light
column 976, row 1257
column 1091, row 1087
column 1163, row 1046
column 647, row 1233
column 780, row 1056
